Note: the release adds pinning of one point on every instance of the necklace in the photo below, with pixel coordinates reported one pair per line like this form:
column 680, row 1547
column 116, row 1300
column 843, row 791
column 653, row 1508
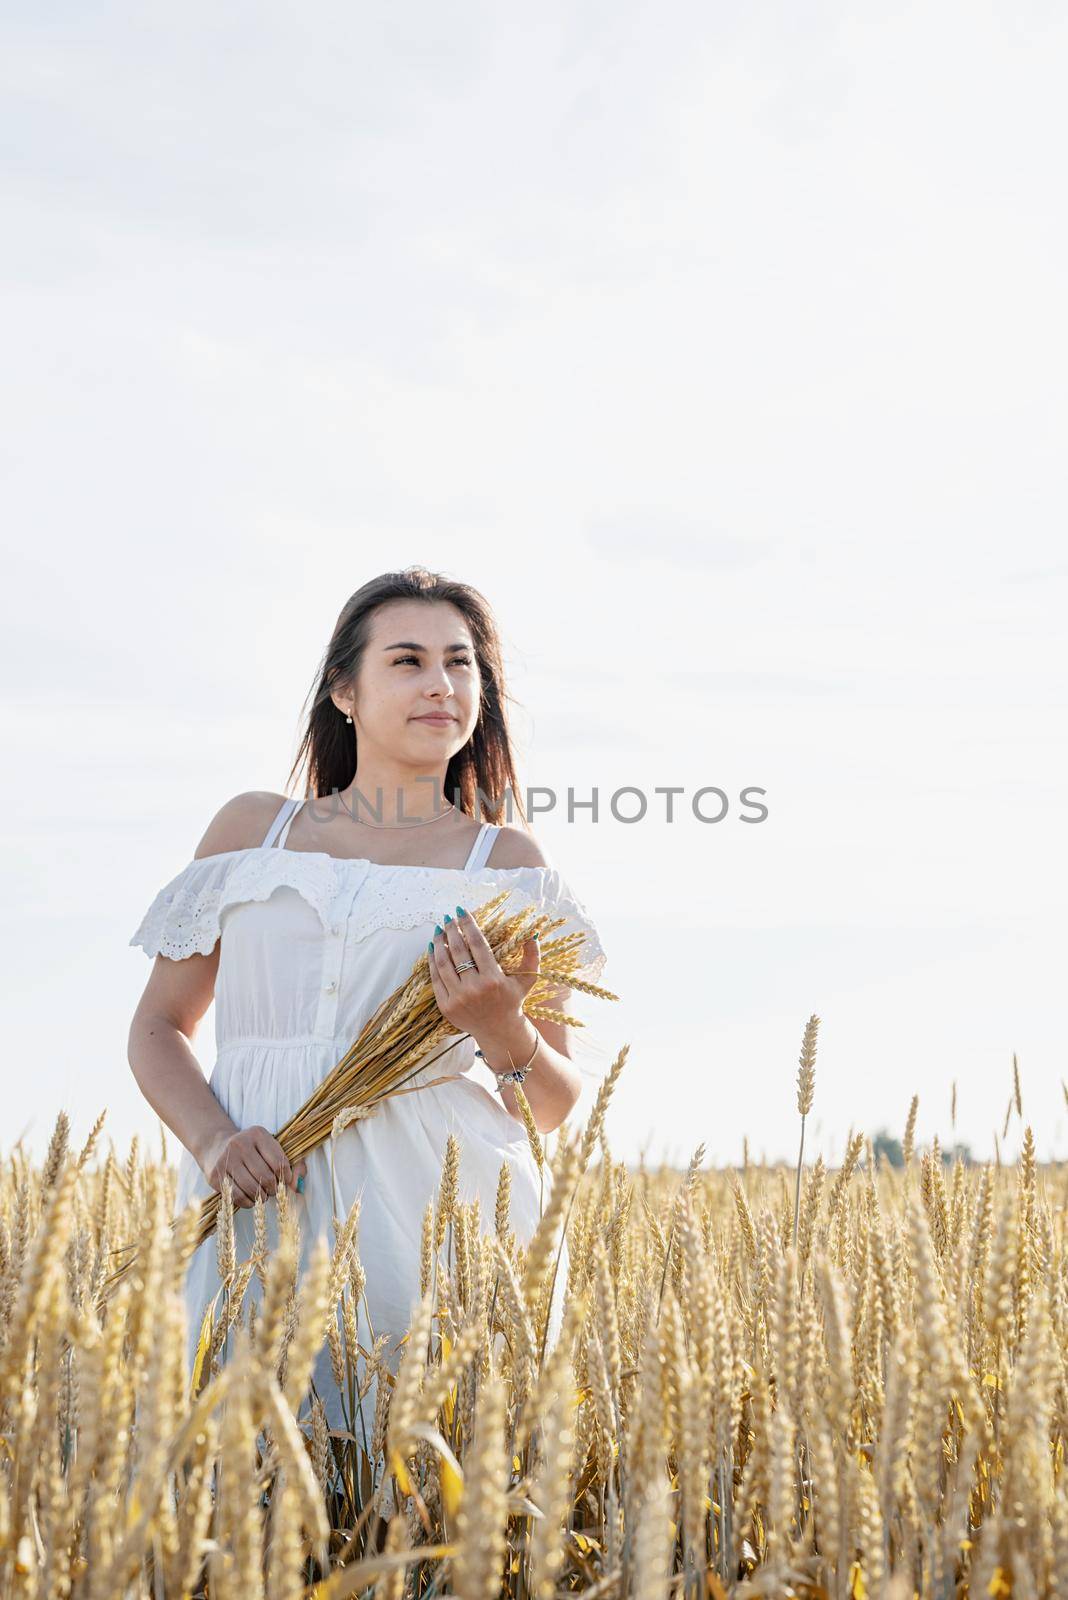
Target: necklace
column 401, row 826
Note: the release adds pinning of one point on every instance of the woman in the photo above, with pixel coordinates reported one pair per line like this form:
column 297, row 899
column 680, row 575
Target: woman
column 300, row 916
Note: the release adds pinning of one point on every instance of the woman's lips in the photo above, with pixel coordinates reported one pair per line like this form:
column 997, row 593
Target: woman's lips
column 434, row 719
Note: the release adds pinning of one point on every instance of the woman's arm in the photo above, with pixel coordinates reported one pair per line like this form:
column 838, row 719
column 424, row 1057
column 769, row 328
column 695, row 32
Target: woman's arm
column 553, row 1084
column 160, row 1053
column 170, row 1010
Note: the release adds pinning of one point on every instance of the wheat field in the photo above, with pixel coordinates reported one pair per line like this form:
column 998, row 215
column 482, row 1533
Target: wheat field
column 770, row 1381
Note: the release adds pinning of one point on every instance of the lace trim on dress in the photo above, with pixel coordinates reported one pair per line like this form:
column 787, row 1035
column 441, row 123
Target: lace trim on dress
column 408, row 897
column 184, row 917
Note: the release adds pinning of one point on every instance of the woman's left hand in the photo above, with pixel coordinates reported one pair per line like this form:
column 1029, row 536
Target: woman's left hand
column 484, row 1000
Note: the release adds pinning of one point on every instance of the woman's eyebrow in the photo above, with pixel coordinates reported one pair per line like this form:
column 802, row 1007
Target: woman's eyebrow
column 406, row 644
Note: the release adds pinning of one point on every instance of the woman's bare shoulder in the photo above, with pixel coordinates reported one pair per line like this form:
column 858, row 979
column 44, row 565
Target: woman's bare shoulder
column 515, row 847
column 241, row 823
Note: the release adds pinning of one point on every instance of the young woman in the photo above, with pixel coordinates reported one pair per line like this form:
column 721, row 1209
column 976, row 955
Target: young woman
column 300, row 916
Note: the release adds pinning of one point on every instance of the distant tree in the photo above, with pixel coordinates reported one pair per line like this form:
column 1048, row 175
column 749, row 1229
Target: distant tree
column 887, row 1148
column 962, row 1150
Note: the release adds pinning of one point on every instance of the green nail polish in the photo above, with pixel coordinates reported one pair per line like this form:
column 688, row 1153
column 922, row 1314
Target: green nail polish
column 430, row 946
column 438, row 928
column 460, row 912
column 447, row 917
column 300, row 1185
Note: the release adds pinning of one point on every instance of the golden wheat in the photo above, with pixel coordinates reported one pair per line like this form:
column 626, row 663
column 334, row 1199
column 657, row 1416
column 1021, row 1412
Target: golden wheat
column 851, row 1384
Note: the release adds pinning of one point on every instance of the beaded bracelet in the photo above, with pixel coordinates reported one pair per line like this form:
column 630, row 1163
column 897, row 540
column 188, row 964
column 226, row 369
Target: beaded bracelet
column 517, row 1074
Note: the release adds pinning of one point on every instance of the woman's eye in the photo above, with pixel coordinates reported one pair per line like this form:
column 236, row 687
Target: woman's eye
column 458, row 661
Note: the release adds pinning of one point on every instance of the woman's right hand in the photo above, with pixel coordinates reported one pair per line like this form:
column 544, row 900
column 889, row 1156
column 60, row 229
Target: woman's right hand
column 255, row 1161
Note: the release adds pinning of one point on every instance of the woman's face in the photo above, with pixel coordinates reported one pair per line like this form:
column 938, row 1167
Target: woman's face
column 420, row 660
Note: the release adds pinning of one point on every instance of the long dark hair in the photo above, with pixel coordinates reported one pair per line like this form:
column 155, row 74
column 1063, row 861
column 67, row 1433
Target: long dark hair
column 483, row 772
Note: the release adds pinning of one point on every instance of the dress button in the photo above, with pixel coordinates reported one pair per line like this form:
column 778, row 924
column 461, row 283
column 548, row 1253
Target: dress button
column 331, row 986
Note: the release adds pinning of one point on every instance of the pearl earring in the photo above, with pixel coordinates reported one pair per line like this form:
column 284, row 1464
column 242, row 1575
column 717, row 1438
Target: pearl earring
column 347, row 717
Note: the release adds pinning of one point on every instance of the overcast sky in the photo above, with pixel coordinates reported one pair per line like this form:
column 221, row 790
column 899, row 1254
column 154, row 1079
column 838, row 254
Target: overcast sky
column 722, row 348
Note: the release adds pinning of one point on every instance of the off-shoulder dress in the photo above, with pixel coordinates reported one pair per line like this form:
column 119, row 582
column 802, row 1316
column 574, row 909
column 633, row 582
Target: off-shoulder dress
column 311, row 944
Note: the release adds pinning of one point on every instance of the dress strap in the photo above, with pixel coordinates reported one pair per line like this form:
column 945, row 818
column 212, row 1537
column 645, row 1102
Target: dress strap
column 284, row 835
column 283, row 811
column 482, row 846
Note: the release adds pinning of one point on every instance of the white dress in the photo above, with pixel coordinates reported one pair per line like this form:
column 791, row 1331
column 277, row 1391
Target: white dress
column 311, row 946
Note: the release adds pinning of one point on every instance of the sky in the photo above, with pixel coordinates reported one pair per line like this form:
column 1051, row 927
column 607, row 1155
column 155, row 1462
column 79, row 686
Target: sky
column 722, row 349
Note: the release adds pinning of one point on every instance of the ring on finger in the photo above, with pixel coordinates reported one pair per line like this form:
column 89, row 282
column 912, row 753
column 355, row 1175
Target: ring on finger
column 459, row 966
